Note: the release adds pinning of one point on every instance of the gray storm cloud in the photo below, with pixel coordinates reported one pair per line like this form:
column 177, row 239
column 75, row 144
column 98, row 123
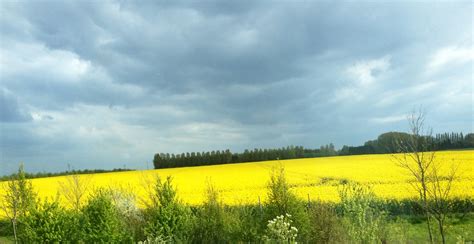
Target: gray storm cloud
column 103, row 84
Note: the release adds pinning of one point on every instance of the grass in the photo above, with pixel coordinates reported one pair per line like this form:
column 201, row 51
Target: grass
column 6, row 239
column 417, row 233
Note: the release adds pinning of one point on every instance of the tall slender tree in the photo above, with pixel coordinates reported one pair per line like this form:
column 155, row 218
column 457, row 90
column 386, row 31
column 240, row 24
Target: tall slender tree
column 19, row 199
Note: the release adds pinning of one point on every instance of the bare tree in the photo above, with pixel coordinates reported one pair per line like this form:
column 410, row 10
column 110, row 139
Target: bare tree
column 75, row 188
column 432, row 186
column 440, row 188
column 19, row 198
column 148, row 183
column 417, row 160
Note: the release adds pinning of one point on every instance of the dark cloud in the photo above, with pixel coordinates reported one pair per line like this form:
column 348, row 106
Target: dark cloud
column 10, row 111
column 136, row 78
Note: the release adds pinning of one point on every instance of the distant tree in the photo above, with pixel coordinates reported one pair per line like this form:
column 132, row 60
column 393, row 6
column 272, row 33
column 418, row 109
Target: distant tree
column 469, row 140
column 198, row 158
column 173, row 160
column 387, row 142
column 344, row 150
column 228, row 156
column 157, row 161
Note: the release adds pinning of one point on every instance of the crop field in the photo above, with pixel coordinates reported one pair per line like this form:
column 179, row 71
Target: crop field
column 315, row 178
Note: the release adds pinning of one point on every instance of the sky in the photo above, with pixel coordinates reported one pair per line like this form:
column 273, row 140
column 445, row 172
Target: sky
column 105, row 84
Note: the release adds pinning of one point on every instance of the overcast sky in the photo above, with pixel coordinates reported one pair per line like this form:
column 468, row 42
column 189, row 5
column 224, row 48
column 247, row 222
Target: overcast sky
column 103, row 84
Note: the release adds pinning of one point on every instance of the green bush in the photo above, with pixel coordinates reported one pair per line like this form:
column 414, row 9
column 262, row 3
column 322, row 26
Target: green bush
column 49, row 223
column 168, row 219
column 6, row 228
column 212, row 223
column 107, row 217
column 364, row 222
column 101, row 222
column 155, row 240
column 282, row 201
column 131, row 217
column 279, row 230
column 248, row 223
column 325, row 224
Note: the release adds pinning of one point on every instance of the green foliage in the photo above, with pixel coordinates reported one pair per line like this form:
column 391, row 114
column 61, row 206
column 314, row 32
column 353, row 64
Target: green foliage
column 19, row 196
column 212, row 223
column 130, row 216
column 247, row 223
column 282, row 201
column 49, row 223
column 325, row 225
column 279, row 230
column 107, row 217
column 155, row 240
column 279, row 196
column 398, row 230
column 111, row 216
column 19, row 199
column 364, row 223
column 101, row 221
column 5, row 228
column 168, row 218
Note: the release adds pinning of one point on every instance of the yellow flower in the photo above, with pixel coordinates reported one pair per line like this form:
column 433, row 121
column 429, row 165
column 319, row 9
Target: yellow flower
column 314, row 178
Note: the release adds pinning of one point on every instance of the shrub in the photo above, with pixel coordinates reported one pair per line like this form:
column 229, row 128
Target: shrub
column 49, row 223
column 280, row 230
column 5, row 228
column 325, row 224
column 212, row 221
column 101, row 222
column 282, row 201
column 155, row 240
column 168, row 218
column 130, row 216
column 364, row 223
column 247, row 223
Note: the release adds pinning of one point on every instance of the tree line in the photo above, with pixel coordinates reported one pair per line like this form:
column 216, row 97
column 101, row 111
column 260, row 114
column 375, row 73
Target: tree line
column 388, row 143
column 385, row 143
column 62, row 173
column 167, row 160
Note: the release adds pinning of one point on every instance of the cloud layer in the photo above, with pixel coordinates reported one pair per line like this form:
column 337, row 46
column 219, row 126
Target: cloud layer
column 102, row 85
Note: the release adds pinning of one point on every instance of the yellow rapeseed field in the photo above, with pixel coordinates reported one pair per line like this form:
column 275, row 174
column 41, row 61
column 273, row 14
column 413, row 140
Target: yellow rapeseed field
column 316, row 178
